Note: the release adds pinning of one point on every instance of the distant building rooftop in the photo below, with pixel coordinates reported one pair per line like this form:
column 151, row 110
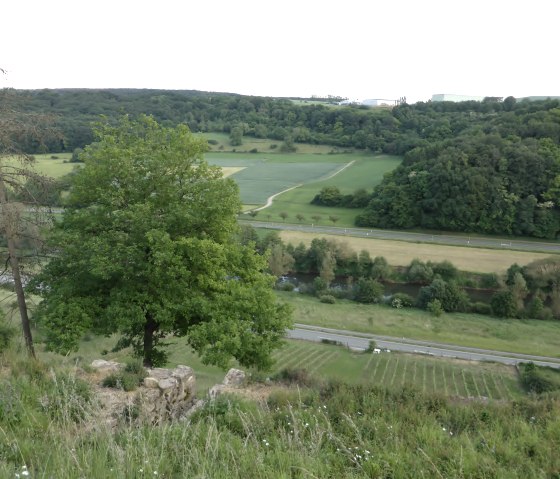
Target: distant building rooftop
column 455, row 98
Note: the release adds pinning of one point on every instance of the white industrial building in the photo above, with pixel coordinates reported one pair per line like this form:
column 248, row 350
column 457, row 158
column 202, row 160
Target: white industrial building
column 455, row 98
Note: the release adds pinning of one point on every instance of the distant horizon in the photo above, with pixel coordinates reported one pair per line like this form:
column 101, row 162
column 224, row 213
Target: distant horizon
column 312, row 97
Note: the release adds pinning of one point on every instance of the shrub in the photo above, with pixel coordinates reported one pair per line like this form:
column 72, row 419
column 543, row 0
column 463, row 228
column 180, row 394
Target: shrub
column 273, row 146
column 533, row 380
column 405, row 300
column 54, row 157
column 7, row 333
column 434, row 307
column 419, row 272
column 213, row 142
column 504, row 305
column 11, row 407
column 128, row 379
column 445, row 269
column 327, row 298
column 254, row 150
column 535, row 308
column 451, row 297
column 338, row 292
column 319, row 285
column 368, row 291
column 371, row 346
column 76, row 155
column 286, row 286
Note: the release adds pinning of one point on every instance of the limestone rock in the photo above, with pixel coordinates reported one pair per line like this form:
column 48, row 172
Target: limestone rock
column 234, row 378
column 215, row 391
column 165, row 395
column 151, row 383
column 102, row 365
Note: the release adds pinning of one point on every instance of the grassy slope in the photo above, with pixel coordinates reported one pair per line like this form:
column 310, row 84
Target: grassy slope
column 521, row 336
column 331, row 430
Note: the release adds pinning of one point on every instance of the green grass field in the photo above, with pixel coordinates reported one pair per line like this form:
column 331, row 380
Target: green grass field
column 513, row 335
column 54, row 167
column 263, row 145
column 395, row 370
column 265, row 175
column 366, row 171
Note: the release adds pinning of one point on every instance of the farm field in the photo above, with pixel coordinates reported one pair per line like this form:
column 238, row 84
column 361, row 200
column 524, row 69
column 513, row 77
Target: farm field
column 395, row 370
column 366, row 171
column 259, row 182
column 54, row 167
column 401, row 253
column 263, row 145
column 514, row 335
column 264, row 176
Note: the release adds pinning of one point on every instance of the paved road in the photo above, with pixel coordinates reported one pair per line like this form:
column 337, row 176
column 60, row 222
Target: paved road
column 456, row 240
column 361, row 341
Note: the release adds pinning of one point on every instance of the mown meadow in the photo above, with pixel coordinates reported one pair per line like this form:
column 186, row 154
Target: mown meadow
column 528, row 336
column 401, row 253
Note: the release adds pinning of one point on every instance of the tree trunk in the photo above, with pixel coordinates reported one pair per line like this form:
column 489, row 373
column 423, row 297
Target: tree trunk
column 150, row 327
column 10, row 230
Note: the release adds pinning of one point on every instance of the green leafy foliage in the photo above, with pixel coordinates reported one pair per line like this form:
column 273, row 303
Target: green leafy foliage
column 368, row 291
column 534, row 380
column 503, row 304
column 327, row 298
column 449, row 295
column 146, row 248
column 435, row 307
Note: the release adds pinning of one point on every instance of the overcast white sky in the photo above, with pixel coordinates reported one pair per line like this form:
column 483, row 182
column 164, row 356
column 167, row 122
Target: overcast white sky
column 353, row 48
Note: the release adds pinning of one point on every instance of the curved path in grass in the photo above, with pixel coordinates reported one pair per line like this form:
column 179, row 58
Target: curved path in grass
column 270, row 199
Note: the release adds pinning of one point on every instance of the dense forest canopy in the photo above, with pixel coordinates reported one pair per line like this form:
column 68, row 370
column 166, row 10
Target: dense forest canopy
column 501, row 174
column 489, row 167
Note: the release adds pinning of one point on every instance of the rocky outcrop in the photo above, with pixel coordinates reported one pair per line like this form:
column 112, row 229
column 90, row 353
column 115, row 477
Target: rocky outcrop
column 166, row 394
column 234, row 378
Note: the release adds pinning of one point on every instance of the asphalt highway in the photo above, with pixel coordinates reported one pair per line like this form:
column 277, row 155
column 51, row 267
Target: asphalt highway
column 360, row 341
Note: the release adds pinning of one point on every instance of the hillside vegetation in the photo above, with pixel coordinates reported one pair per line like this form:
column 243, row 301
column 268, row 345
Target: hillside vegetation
column 488, row 167
column 317, row 429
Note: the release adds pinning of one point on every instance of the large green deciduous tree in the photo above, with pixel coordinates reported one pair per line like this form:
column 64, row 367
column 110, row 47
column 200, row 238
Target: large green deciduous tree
column 146, row 248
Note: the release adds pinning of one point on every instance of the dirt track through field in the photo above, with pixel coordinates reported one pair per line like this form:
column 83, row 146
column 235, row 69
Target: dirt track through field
column 270, row 199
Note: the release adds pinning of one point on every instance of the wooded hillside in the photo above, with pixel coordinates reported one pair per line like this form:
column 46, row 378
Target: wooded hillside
column 488, row 167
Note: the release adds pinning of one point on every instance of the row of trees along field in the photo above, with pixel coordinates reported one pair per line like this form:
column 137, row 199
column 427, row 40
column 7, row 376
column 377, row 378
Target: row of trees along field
column 531, row 291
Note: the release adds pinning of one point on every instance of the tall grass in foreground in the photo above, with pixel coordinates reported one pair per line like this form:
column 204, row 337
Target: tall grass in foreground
column 49, row 425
